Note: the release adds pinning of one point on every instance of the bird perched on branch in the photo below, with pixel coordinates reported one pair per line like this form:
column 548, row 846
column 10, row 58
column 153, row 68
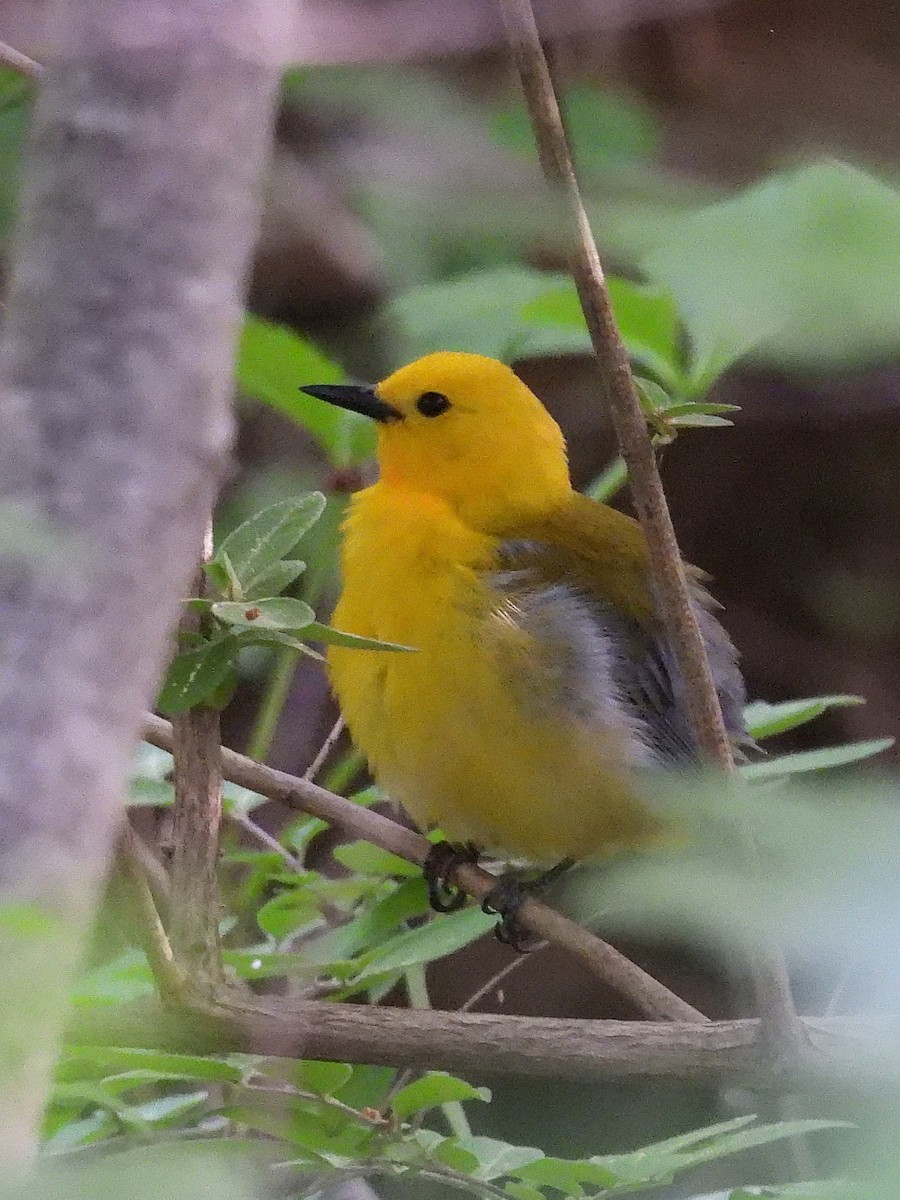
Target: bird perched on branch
column 542, row 681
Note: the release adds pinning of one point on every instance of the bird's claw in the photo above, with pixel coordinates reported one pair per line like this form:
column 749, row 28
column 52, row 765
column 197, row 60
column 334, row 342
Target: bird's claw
column 505, row 900
column 442, row 858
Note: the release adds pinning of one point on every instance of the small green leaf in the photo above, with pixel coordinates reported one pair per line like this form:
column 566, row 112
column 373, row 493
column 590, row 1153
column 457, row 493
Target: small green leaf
column 566, row 1175
column 815, row 760
column 294, row 908
column 337, row 637
column 195, row 674
column 660, row 1162
column 275, row 612
column 449, row 1152
column 251, row 636
column 521, row 1191
column 697, row 421
column 323, row 1078
column 218, row 574
column 255, row 547
column 108, row 1059
column 700, row 406
column 611, row 480
column 432, row 1090
column 120, row 981
column 766, row 720
column 278, row 577
column 496, row 1158
column 372, row 860
column 426, row 943
column 653, row 398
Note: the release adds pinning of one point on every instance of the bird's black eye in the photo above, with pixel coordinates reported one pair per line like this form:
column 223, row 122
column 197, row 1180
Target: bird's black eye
column 432, row 404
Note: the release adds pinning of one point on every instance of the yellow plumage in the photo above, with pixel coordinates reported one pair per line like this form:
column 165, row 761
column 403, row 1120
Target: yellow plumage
column 541, row 684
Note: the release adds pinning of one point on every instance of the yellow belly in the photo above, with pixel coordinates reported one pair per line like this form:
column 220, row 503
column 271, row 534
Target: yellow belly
column 446, row 732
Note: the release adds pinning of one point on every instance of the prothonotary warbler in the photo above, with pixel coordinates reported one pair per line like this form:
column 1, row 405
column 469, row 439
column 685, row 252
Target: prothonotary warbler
column 542, row 683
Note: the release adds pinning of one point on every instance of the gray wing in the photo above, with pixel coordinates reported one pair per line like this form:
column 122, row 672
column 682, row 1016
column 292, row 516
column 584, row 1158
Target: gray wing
column 611, row 666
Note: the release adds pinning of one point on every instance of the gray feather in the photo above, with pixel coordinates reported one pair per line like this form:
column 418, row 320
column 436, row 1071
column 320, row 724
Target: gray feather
column 609, row 668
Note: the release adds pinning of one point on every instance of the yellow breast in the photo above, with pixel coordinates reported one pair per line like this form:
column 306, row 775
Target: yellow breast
column 444, row 728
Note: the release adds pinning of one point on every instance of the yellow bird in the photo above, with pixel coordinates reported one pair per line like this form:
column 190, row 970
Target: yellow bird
column 542, row 682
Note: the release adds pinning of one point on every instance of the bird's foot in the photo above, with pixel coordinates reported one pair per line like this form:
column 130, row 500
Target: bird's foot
column 443, row 857
column 505, row 899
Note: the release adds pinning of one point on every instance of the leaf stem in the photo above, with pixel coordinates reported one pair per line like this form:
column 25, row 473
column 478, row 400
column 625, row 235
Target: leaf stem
column 278, row 686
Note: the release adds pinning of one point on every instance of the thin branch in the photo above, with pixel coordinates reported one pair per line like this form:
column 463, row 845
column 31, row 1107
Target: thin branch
column 650, row 996
column 265, row 838
column 169, row 977
column 324, row 750
column 671, row 590
column 474, row 1044
column 497, row 978
column 20, row 62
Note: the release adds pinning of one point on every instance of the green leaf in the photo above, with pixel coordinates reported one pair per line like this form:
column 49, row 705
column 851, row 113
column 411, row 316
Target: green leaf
column 294, row 908
column 449, row 1152
column 606, row 130
column 566, row 1175
column 323, row 1078
column 279, row 576
column 698, row 421
column 426, row 943
column 496, row 1158
column 195, row 674
column 372, row 860
column 275, row 612
column 432, row 1090
column 119, row 981
column 659, row 1163
column 646, row 315
column 273, row 364
column 252, row 636
column 653, row 398
column 699, row 406
column 799, row 268
column 106, row 1059
column 299, row 833
column 815, row 760
column 255, row 547
column 478, row 312
column 336, row 637
column 766, row 720
column 521, row 1191
column 608, row 482
column 264, row 964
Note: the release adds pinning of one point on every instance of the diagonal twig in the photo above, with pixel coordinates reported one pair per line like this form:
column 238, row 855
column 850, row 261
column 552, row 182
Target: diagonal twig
column 648, row 994
column 10, row 57
column 782, row 1026
column 170, row 979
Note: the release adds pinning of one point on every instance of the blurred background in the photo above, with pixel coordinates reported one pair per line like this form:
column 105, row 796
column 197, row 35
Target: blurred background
column 739, row 157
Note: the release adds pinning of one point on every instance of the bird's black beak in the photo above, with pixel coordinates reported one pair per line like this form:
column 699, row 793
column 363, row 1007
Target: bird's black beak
column 356, row 398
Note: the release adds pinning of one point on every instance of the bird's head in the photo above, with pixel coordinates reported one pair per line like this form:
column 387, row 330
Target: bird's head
column 465, row 428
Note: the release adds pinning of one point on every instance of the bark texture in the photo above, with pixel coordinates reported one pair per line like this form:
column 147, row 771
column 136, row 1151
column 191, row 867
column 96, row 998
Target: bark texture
column 139, row 215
